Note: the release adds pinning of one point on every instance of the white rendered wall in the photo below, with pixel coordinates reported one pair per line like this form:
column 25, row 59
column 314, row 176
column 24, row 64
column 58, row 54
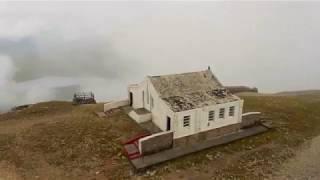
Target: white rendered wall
column 217, row 123
column 160, row 110
column 115, row 104
column 179, row 130
column 199, row 119
column 137, row 94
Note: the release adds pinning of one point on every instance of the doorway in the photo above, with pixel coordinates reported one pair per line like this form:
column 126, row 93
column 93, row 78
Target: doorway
column 168, row 123
column 131, row 98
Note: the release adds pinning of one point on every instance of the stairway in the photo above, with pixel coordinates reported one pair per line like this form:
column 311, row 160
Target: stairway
column 131, row 147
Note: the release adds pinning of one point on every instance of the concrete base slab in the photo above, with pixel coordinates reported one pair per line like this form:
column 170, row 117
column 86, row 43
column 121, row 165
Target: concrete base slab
column 131, row 149
column 150, row 127
column 147, row 161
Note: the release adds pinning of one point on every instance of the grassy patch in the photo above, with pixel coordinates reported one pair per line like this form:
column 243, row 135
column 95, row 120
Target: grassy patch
column 76, row 143
column 68, row 138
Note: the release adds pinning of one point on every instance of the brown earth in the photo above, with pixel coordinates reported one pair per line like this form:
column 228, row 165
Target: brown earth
column 56, row 140
column 306, row 163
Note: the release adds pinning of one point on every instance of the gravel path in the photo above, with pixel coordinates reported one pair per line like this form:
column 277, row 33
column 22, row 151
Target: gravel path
column 306, row 163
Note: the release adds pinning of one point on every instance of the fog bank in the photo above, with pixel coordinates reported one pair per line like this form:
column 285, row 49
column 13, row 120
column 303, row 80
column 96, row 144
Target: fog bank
column 49, row 48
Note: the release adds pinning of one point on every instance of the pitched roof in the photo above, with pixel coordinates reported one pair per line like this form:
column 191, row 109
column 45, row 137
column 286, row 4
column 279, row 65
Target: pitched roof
column 190, row 90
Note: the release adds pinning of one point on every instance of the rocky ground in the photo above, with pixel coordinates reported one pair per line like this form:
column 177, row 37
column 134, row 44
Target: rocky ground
column 56, row 140
column 306, row 163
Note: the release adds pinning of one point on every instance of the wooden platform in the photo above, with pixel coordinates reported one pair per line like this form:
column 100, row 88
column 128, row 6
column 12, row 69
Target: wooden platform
column 147, row 161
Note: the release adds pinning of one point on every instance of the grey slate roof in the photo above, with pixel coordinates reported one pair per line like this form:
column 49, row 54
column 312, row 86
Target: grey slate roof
column 190, row 90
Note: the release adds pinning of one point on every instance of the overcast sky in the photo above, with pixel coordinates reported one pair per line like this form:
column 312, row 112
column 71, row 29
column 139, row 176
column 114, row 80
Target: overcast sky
column 103, row 46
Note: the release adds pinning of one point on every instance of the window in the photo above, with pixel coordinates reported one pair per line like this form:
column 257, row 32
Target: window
column 168, row 123
column 231, row 111
column 211, row 116
column 186, row 121
column 147, row 95
column 221, row 113
column 143, row 98
column 152, row 104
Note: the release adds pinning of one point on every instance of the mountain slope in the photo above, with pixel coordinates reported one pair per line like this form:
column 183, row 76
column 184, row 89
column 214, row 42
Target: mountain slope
column 56, row 140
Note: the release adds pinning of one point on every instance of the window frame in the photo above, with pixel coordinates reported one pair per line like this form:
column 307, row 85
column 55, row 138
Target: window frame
column 148, row 96
column 232, row 111
column 211, row 116
column 186, row 121
column 143, row 96
column 151, row 102
column 222, row 113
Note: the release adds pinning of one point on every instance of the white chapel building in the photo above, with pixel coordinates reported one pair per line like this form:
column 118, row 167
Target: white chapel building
column 185, row 104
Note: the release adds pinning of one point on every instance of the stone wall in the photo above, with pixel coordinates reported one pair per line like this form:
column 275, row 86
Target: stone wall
column 156, row 142
column 115, row 104
column 214, row 133
column 250, row 120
